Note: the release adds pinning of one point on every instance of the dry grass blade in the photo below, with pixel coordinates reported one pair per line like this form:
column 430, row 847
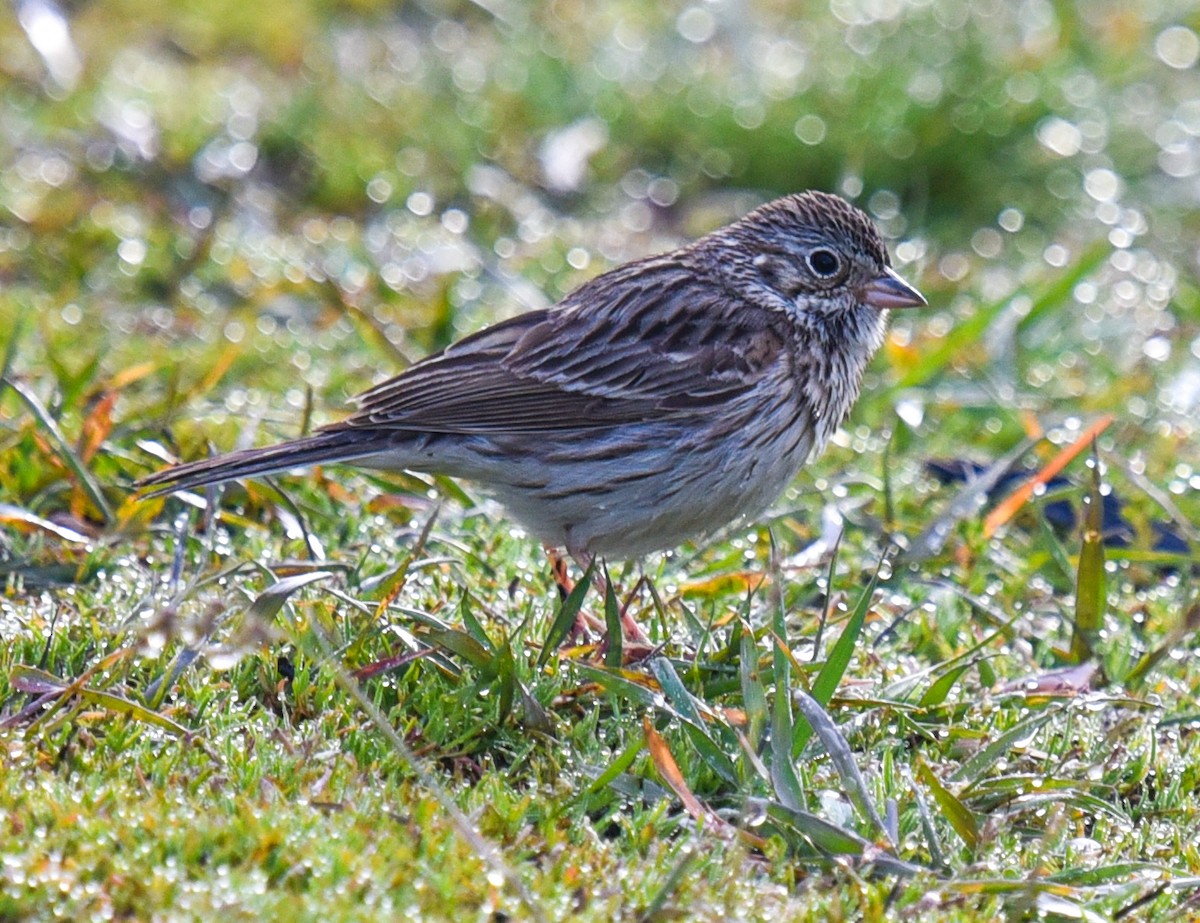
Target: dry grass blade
column 39, row 682
column 687, row 708
column 389, row 664
column 24, row 520
column 668, row 769
column 50, row 688
column 97, row 426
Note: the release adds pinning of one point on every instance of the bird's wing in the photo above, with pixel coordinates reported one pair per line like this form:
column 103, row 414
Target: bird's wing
column 644, row 342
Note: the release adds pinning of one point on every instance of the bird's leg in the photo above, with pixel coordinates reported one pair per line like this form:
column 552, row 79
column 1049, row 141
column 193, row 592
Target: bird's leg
column 630, row 629
column 586, row 623
column 562, row 576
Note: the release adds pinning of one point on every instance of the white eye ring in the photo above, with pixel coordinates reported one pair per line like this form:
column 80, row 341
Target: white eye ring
column 824, row 263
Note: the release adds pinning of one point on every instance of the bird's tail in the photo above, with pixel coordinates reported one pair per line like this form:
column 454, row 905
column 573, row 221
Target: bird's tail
column 336, row 445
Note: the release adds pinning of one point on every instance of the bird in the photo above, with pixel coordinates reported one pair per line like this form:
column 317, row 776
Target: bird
column 653, row 405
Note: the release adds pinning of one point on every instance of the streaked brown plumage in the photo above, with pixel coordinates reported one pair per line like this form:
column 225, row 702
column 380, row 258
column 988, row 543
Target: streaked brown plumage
column 655, row 403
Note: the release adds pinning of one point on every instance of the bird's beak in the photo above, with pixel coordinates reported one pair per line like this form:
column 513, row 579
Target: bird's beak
column 890, row 291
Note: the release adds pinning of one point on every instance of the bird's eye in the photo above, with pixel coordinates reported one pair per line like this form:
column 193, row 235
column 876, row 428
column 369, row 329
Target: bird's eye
column 824, row 263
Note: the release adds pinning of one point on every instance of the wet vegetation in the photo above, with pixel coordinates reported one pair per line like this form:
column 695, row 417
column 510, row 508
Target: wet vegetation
column 952, row 676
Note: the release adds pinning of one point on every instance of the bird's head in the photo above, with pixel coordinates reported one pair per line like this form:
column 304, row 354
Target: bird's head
column 812, row 255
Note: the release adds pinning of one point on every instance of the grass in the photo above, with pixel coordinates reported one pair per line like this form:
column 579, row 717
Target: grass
column 341, row 695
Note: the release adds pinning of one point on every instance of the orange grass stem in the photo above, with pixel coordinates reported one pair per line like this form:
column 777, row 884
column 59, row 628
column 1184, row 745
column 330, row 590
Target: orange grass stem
column 1008, row 507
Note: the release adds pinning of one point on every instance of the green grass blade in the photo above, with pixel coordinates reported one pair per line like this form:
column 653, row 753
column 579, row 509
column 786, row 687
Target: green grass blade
column 471, row 623
column 535, row 717
column 694, row 725
column 670, row 885
column 754, row 694
column 960, row 817
column 506, row 680
column 828, row 838
column 460, row 643
column 268, row 603
column 937, row 854
column 1089, row 583
column 1057, row 292
column 801, row 829
column 620, row 764
column 784, row 780
column 830, row 575
column 1187, row 625
column 982, row 760
column 967, row 502
column 843, row 761
column 836, row 664
column 620, row 683
column 674, row 690
column 612, row 625
column 72, row 460
column 940, row 688
column 10, row 349
column 568, row 614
